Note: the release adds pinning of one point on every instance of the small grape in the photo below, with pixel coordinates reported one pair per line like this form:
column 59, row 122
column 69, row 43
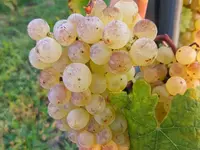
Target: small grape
column 176, row 85
column 177, row 69
column 131, row 74
column 93, row 126
column 64, row 32
column 106, row 117
column 56, row 112
column 86, row 139
column 69, row 106
column 78, row 118
column 116, row 34
column 38, row 29
column 110, row 146
column 96, row 105
column 119, row 125
column 48, row 50
column 62, row 62
column 62, row 124
column 90, row 29
column 150, row 74
column 115, row 82
column 35, row 61
column 119, row 139
column 81, row 98
column 77, row 77
column 98, row 84
column 120, row 62
column 104, row 136
column 98, row 7
column 143, row 52
column 100, row 53
column 162, row 71
column 99, row 69
column 48, row 78
column 145, row 28
column 59, row 95
column 75, row 18
column 161, row 91
column 194, row 70
column 186, row 52
column 165, row 55
column 192, row 83
column 79, row 52
column 72, row 135
column 129, row 10
column 198, row 56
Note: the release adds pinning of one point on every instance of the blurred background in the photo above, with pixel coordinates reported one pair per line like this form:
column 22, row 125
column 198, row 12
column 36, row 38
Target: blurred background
column 24, row 122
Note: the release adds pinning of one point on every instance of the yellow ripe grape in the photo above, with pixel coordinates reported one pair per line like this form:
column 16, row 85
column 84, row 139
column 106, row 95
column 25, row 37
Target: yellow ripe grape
column 165, row 55
column 130, row 74
column 176, row 85
column 98, row 84
column 115, row 82
column 110, row 146
column 99, row 69
column 194, row 70
column 196, row 36
column 161, row 91
column 161, row 71
column 104, row 136
column 94, row 147
column 86, row 139
column 186, row 55
column 198, row 56
column 150, row 74
column 177, row 69
column 192, row 83
column 197, row 24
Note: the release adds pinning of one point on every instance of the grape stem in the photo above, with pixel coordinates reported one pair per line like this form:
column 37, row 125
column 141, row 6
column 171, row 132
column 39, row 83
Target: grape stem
column 165, row 39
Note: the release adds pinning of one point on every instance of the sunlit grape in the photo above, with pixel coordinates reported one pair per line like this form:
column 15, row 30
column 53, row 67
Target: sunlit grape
column 86, row 139
column 75, row 18
column 176, row 69
column 90, row 29
column 48, row 50
column 145, row 28
column 35, row 61
column 59, row 95
column 96, row 105
column 99, row 69
column 56, row 112
column 79, row 52
column 120, row 62
column 116, row 34
column 176, row 85
column 81, row 98
column 64, row 32
column 77, row 77
column 104, row 136
column 78, row 118
column 98, row 84
column 143, row 52
column 93, row 126
column 48, row 78
column 165, row 55
column 194, row 70
column 38, row 29
column 110, row 146
column 192, row 83
column 100, row 53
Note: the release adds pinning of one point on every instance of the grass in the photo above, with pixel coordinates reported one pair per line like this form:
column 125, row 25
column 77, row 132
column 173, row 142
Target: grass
column 23, row 113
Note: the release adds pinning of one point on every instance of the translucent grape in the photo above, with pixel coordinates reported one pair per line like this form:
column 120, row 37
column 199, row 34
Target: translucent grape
column 75, row 18
column 110, row 146
column 186, row 52
column 48, row 78
column 194, row 70
column 59, row 95
column 116, row 34
column 119, row 139
column 56, row 112
column 48, row 50
column 99, row 69
column 78, row 118
column 86, row 139
column 64, row 32
column 162, row 71
column 145, row 28
column 104, row 136
column 79, row 52
column 93, row 126
column 126, row 145
column 119, row 125
column 176, row 85
column 120, row 62
column 69, row 106
column 198, row 56
column 105, row 94
column 129, row 10
column 38, row 29
column 106, row 117
column 77, row 77
column 35, row 61
column 177, row 69
column 115, row 82
column 97, row 104
column 98, row 7
column 62, row 62
column 111, row 13
column 100, row 53
column 131, row 74
column 72, row 135
column 98, row 84
column 62, row 124
column 161, row 91
column 90, row 29
column 165, row 55
column 150, row 74
column 143, row 52
column 81, row 98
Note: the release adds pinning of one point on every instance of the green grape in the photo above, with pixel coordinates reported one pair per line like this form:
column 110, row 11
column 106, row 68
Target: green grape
column 119, row 139
column 186, row 18
column 99, row 69
column 96, row 105
column 86, row 139
column 93, row 126
column 106, row 117
column 115, row 82
column 104, row 136
column 62, row 124
column 98, row 84
column 194, row 70
column 165, row 55
column 56, row 112
column 81, row 98
column 131, row 74
column 78, row 118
